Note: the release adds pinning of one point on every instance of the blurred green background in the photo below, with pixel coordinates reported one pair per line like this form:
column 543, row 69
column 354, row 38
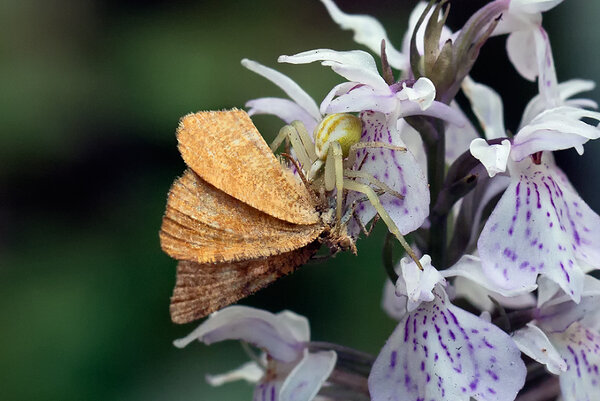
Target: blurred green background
column 91, row 93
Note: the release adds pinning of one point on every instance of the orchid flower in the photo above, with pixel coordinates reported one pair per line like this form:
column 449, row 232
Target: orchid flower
column 396, row 169
column 292, row 373
column 540, row 225
column 439, row 351
column 565, row 338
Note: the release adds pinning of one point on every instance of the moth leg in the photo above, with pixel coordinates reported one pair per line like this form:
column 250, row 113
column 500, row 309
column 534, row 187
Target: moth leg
column 372, row 196
column 289, row 131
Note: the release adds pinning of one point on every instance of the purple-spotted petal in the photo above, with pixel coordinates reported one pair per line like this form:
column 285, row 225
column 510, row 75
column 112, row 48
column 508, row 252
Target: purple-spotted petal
column 305, row 380
column 292, row 89
column 470, row 268
column 580, row 348
column 355, row 65
column 399, row 170
column 440, row 352
column 367, row 31
column 281, row 339
column 285, row 109
column 540, row 226
column 534, row 343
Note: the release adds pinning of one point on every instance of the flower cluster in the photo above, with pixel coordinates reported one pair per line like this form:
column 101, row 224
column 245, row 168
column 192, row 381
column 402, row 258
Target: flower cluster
column 522, row 243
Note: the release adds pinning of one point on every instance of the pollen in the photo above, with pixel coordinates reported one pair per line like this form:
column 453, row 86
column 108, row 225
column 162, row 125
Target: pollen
column 343, row 128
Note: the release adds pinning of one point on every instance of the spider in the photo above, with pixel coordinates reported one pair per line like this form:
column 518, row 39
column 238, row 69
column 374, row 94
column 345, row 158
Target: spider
column 327, row 164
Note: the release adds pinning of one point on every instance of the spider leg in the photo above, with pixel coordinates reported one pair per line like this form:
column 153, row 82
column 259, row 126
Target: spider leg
column 362, row 145
column 370, row 193
column 334, row 175
column 372, row 180
column 289, row 131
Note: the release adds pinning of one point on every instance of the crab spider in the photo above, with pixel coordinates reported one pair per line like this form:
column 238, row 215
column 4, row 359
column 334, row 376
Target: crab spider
column 332, row 155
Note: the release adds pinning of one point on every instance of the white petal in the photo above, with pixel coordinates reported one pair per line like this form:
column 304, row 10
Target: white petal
column 493, row 157
column 469, row 267
column 533, row 342
column 355, row 65
column 292, row 89
column 249, row 372
column 487, row 106
column 437, row 110
column 362, row 97
column 417, row 284
column 285, row 109
column 547, row 81
column 539, row 227
column 458, row 138
column 479, row 296
column 398, row 170
column 441, row 352
column 273, row 333
column 520, row 47
column 367, row 31
column 533, row 6
column 565, row 90
column 422, row 93
column 580, row 348
column 305, row 380
column 337, row 90
column 555, row 129
column 391, row 303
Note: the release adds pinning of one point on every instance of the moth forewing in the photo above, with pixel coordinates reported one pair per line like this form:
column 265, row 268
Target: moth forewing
column 225, row 149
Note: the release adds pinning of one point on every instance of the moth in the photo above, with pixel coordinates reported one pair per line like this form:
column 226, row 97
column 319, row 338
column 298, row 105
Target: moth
column 237, row 219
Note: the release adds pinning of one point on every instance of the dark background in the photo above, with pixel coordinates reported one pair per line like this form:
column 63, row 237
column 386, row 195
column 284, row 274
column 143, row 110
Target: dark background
column 91, row 93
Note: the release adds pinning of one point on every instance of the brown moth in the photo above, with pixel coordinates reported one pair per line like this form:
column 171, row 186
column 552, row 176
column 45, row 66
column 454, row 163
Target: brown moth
column 237, row 219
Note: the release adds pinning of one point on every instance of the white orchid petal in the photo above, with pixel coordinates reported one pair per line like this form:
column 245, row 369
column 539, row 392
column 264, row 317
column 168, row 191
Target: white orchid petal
column 437, row 110
column 555, row 129
column 416, row 284
column 535, row 344
column 547, row 81
column 292, row 89
column 354, row 65
column 250, row 372
column 340, row 89
column 487, row 106
column 398, row 170
column 362, row 98
column 391, row 303
column 305, row 380
column 422, row 93
column 285, row 109
column 469, row 267
column 520, row 46
column 493, row 157
column 539, row 227
column 533, row 6
column 441, row 352
column 458, row 138
column 566, row 90
column 272, row 333
column 367, row 31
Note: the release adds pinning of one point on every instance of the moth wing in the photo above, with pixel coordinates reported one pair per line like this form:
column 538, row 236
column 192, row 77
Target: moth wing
column 205, row 225
column 203, row 288
column 226, row 150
